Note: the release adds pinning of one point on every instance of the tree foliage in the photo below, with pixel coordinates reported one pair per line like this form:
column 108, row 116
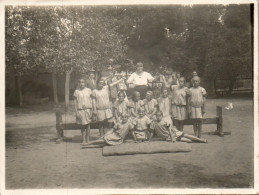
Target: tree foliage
column 207, row 38
column 58, row 38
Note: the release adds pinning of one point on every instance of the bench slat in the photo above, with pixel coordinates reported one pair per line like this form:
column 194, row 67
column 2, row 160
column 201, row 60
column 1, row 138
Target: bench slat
column 74, row 126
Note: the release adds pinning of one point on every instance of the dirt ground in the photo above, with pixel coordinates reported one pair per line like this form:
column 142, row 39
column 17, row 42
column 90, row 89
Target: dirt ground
column 34, row 160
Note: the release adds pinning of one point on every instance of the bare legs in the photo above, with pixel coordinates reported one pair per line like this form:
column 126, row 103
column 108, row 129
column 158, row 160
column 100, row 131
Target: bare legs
column 101, row 128
column 104, row 126
column 85, row 131
column 197, row 127
column 95, row 142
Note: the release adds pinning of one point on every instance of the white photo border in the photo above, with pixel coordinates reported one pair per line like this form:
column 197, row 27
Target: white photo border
column 3, row 3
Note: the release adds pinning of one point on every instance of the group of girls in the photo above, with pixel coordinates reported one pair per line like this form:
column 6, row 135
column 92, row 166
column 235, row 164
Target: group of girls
column 140, row 118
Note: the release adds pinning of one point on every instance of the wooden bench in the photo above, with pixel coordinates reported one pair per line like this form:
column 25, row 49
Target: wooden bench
column 60, row 126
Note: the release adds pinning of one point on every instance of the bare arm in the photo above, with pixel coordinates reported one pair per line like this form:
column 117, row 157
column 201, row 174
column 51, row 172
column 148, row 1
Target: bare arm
column 94, row 104
column 153, row 113
column 204, row 104
column 164, row 81
column 75, row 106
column 115, row 82
column 116, row 114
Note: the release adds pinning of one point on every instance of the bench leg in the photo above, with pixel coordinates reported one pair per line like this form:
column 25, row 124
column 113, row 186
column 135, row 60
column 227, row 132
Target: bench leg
column 219, row 121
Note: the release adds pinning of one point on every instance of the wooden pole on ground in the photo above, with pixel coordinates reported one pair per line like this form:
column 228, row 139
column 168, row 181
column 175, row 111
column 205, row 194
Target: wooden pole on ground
column 219, row 121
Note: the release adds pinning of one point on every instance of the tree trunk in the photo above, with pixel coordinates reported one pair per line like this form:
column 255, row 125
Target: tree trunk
column 19, row 86
column 231, row 85
column 67, row 81
column 55, row 91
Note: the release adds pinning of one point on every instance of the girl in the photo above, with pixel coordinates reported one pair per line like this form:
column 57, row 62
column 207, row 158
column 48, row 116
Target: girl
column 91, row 81
column 117, row 135
column 173, row 106
column 167, row 81
column 121, row 106
column 121, row 87
column 83, row 108
column 102, row 105
column 164, row 105
column 180, row 102
column 112, row 88
column 150, row 105
column 167, row 132
column 136, row 104
column 141, row 126
column 197, row 105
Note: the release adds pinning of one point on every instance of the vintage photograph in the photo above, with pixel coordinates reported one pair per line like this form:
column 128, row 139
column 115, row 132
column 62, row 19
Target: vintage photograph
column 129, row 96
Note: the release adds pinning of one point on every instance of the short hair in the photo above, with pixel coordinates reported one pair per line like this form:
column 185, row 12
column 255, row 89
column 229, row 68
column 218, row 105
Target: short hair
column 124, row 114
column 121, row 93
column 164, row 89
column 135, row 93
column 80, row 79
column 182, row 78
column 159, row 112
column 139, row 64
column 101, row 80
column 196, row 77
column 141, row 109
column 149, row 92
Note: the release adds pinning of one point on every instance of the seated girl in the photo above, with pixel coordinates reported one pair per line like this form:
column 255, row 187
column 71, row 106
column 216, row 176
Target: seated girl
column 121, row 106
column 150, row 105
column 163, row 129
column 141, row 126
column 115, row 136
column 135, row 104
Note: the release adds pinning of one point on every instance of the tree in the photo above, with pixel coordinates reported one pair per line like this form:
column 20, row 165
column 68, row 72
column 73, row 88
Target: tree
column 232, row 46
column 18, row 61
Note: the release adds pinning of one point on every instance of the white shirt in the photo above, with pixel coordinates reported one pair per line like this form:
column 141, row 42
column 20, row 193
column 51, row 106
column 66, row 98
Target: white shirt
column 140, row 79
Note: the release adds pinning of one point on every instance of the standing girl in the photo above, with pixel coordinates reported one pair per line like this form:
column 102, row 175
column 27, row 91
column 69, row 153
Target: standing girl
column 102, row 106
column 83, row 108
column 197, row 105
column 167, row 81
column 180, row 101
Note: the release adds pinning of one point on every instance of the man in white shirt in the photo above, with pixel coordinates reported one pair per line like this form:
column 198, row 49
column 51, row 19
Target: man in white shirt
column 140, row 80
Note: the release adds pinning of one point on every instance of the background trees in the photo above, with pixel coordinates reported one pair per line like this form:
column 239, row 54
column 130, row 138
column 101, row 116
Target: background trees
column 60, row 40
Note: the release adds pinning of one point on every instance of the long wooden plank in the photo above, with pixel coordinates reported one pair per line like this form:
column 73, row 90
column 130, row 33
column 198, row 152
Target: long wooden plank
column 74, row 126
